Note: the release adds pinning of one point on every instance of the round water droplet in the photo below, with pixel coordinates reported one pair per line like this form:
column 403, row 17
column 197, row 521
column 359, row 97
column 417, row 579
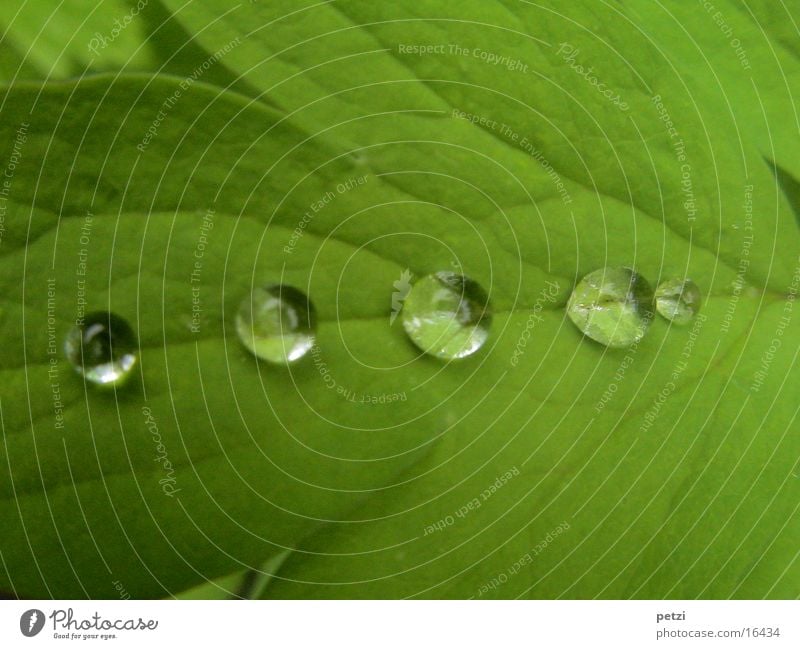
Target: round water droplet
column 277, row 323
column 612, row 306
column 103, row 348
column 678, row 300
column 447, row 315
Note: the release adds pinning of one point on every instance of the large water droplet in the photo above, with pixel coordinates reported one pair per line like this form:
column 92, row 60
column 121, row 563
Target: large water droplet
column 277, row 323
column 612, row 306
column 447, row 315
column 678, row 300
column 103, row 348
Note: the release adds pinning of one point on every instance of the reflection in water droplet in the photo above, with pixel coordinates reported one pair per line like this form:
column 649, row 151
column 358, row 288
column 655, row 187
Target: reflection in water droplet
column 447, row 315
column 103, row 348
column 678, row 300
column 612, row 306
column 277, row 323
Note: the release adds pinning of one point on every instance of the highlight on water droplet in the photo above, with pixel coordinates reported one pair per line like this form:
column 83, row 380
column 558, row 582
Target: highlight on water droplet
column 102, row 348
column 612, row 306
column 678, row 300
column 277, row 323
column 447, row 315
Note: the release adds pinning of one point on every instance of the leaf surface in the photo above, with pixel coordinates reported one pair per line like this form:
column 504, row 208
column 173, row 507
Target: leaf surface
column 668, row 470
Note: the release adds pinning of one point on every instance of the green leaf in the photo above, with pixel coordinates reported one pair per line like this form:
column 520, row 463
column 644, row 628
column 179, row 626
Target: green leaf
column 62, row 40
column 239, row 585
column 790, row 187
column 13, row 64
column 223, row 588
column 378, row 161
column 87, row 492
column 689, row 494
column 330, row 63
column 59, row 42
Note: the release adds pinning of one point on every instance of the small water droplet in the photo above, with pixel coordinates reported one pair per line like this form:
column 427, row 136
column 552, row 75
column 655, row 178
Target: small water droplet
column 612, row 306
column 277, row 323
column 103, row 348
column 447, row 315
column 678, row 300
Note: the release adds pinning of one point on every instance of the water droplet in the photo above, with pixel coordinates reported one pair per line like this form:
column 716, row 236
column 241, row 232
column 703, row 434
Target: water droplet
column 447, row 315
column 678, row 300
column 277, row 323
column 612, row 306
column 103, row 348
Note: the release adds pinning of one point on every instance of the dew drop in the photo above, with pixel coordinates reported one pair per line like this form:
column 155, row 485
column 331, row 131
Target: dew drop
column 612, row 306
column 447, row 315
column 103, row 348
column 678, row 300
column 277, row 323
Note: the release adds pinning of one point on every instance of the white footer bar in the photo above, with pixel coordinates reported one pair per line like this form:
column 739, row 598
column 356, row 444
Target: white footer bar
column 404, row 624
